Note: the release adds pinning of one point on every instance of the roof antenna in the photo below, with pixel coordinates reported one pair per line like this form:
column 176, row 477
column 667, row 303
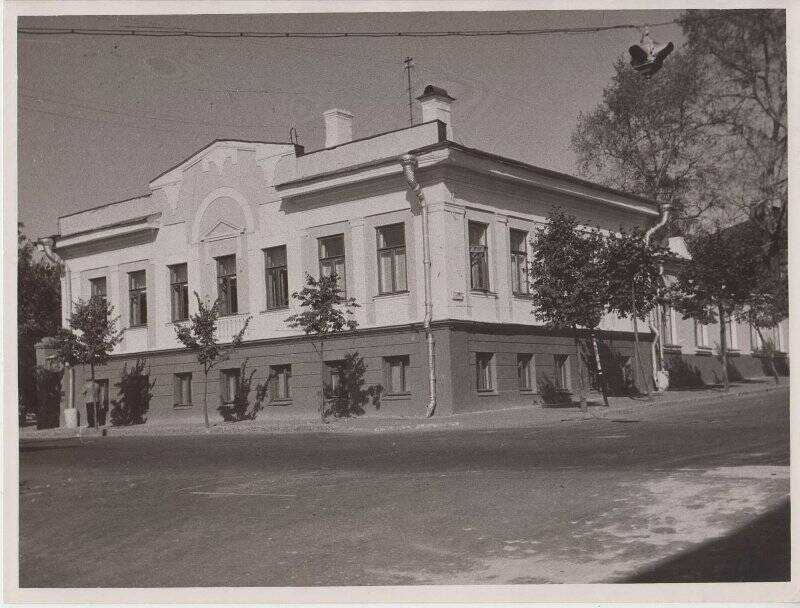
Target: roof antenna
column 409, row 65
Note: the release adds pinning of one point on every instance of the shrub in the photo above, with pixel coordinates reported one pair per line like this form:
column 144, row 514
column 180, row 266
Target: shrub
column 134, row 395
column 350, row 396
column 240, row 408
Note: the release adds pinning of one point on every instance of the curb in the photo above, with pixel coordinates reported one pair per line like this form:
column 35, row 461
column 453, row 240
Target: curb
column 450, row 423
column 699, row 399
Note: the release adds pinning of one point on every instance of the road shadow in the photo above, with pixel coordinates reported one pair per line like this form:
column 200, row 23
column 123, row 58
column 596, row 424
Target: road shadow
column 41, row 446
column 756, row 552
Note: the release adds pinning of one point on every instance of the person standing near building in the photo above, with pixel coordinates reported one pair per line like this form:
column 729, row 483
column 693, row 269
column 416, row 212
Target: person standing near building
column 91, row 396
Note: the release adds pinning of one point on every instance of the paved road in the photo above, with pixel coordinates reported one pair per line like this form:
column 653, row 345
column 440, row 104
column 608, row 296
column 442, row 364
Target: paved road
column 681, row 493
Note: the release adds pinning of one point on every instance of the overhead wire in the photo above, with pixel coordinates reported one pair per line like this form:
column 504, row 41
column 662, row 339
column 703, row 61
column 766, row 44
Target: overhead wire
column 180, row 32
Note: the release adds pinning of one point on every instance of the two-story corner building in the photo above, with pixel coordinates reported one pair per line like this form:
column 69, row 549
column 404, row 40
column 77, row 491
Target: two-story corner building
column 244, row 221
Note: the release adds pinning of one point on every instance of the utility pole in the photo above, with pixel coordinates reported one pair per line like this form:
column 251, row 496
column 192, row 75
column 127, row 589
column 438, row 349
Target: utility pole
column 408, row 67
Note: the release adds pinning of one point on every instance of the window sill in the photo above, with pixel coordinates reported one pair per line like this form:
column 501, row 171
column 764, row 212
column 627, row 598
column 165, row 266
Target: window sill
column 488, row 393
column 396, row 397
column 279, row 402
column 182, row 406
column 528, row 391
column 483, row 293
column 390, row 294
column 268, row 311
column 672, row 348
column 704, row 351
column 142, row 326
column 522, row 296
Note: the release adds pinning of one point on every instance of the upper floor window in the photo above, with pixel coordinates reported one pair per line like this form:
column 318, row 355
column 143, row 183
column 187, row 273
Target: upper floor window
column 179, row 292
column 331, row 258
column 667, row 326
column 732, row 333
column 700, row 335
column 478, row 257
column 97, row 288
column 519, row 261
column 277, row 277
column 137, row 291
column 226, row 285
column 392, row 259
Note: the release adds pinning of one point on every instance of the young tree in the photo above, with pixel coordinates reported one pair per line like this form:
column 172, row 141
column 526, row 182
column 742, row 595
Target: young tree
column 766, row 305
column 635, row 283
column 717, row 282
column 200, row 337
column 567, row 280
column 95, row 335
column 326, row 311
column 38, row 312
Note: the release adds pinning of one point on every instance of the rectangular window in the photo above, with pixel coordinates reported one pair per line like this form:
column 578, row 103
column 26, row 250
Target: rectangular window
column 334, row 372
column 519, row 261
column 97, row 288
column 396, row 375
column 756, row 343
column 179, row 292
column 700, row 335
column 230, row 385
column 561, row 372
column 484, row 366
column 731, row 333
column 137, row 292
column 281, row 382
column 226, row 285
column 331, row 259
column 392, row 259
column 277, row 278
column 525, row 372
column 667, row 331
column 478, row 257
column 777, row 338
column 182, row 389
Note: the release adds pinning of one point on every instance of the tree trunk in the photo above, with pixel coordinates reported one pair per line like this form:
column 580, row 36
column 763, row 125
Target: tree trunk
column 723, row 346
column 636, row 354
column 771, row 359
column 601, row 376
column 205, row 398
column 582, row 391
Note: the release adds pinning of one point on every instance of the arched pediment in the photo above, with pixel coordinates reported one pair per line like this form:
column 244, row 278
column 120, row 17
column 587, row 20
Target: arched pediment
column 223, row 213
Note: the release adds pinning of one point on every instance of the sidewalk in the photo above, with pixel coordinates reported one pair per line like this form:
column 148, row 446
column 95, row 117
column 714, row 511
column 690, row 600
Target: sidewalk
column 518, row 417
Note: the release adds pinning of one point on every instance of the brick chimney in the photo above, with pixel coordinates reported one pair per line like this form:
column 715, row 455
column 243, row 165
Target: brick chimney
column 436, row 106
column 338, row 127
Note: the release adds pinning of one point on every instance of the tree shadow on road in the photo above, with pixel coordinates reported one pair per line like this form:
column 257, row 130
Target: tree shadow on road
column 756, row 552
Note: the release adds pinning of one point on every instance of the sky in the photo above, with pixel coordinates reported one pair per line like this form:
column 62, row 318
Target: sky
column 99, row 117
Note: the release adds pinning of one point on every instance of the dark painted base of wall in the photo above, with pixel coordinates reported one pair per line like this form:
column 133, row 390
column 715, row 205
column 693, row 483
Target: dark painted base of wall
column 457, row 346
column 697, row 370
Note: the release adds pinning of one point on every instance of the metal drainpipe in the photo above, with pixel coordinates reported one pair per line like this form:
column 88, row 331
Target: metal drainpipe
column 45, row 245
column 665, row 209
column 409, row 162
